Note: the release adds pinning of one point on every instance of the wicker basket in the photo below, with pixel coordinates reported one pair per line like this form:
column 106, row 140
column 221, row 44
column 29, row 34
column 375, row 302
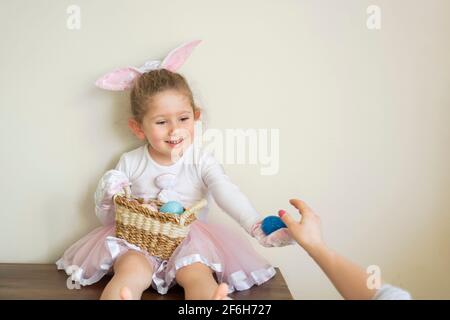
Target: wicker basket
column 156, row 232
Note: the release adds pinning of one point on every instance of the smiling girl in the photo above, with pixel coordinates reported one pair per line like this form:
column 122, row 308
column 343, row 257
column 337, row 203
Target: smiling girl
column 166, row 167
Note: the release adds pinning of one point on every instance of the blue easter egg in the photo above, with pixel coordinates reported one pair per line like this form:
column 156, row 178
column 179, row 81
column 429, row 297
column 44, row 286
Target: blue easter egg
column 172, row 207
column 271, row 224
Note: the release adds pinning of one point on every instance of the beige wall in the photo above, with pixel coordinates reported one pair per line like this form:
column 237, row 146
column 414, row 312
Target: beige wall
column 363, row 119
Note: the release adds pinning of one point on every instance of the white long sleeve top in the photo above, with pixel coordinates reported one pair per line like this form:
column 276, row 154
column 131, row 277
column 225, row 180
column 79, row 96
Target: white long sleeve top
column 198, row 176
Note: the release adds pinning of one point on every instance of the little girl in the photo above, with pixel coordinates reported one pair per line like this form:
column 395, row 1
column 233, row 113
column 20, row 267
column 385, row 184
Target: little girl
column 168, row 167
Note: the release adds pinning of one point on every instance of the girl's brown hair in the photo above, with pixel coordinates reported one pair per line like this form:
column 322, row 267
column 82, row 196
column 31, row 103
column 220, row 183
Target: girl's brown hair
column 153, row 82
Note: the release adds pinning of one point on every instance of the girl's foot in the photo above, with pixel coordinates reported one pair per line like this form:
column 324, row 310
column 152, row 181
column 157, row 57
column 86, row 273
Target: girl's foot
column 221, row 292
column 125, row 294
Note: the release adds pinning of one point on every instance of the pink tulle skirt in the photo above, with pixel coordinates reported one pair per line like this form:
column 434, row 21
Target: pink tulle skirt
column 228, row 254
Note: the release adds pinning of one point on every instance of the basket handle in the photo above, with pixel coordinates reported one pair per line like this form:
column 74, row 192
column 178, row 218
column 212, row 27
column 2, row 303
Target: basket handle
column 192, row 210
column 127, row 192
column 199, row 205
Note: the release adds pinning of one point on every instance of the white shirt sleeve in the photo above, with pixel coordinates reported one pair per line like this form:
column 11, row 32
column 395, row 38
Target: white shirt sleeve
column 123, row 166
column 388, row 292
column 226, row 194
column 104, row 206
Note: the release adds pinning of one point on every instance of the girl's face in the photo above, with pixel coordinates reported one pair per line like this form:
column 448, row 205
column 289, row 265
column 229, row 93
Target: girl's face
column 168, row 126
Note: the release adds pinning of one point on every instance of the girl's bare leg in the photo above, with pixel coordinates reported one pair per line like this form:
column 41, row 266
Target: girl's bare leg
column 197, row 281
column 132, row 275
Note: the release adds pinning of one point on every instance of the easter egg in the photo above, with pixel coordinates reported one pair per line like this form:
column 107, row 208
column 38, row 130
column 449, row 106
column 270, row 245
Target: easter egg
column 271, row 224
column 172, row 207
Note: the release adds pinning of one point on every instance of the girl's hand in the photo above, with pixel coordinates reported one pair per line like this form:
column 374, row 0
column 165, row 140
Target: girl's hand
column 112, row 182
column 279, row 238
column 307, row 232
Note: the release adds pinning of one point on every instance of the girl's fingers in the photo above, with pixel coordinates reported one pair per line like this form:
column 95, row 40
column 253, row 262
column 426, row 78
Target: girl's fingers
column 286, row 218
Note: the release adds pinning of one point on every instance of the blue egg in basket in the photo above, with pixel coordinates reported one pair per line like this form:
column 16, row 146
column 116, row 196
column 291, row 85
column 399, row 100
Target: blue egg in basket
column 172, row 207
column 271, row 224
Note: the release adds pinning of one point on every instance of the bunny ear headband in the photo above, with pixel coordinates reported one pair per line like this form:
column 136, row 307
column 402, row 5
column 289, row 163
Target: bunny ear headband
column 122, row 79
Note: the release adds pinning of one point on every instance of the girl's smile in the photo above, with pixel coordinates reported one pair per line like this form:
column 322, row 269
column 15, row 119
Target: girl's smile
column 175, row 142
column 168, row 125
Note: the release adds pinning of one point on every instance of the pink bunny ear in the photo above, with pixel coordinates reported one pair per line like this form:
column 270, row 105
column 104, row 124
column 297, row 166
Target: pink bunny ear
column 178, row 56
column 118, row 80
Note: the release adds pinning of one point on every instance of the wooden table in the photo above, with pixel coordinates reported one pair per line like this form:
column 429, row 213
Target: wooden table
column 44, row 281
